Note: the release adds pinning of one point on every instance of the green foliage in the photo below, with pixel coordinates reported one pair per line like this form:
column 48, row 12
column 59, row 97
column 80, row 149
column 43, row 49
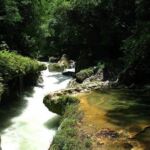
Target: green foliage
column 67, row 136
column 100, row 65
column 59, row 104
column 91, row 29
column 88, row 31
column 21, row 26
column 13, row 65
column 67, row 100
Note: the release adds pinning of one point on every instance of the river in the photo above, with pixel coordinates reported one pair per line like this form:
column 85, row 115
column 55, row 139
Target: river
column 27, row 124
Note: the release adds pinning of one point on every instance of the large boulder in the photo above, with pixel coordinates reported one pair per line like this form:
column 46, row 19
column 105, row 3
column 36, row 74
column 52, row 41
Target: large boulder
column 62, row 64
column 56, row 67
column 64, row 61
column 57, row 104
column 84, row 74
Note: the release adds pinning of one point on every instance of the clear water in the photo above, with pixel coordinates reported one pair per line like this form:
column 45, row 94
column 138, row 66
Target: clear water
column 27, row 124
column 125, row 111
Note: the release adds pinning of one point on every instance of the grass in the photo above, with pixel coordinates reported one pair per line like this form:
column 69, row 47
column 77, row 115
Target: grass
column 67, row 137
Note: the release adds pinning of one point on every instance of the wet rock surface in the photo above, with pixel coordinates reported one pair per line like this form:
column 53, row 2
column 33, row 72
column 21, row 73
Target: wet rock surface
column 107, row 133
column 59, row 65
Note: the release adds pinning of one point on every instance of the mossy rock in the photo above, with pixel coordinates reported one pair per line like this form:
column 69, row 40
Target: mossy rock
column 83, row 74
column 64, row 61
column 59, row 104
column 13, row 65
column 56, row 67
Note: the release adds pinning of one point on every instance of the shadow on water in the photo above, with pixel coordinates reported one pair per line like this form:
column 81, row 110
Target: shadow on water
column 53, row 123
column 124, row 111
column 13, row 107
column 60, row 78
column 131, row 107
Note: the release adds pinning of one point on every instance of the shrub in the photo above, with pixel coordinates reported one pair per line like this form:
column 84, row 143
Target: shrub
column 13, row 65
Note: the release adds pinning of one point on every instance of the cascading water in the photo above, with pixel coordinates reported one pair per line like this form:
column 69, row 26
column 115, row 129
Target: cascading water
column 28, row 131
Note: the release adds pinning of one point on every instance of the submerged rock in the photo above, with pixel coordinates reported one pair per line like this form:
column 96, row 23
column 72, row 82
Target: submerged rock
column 127, row 146
column 107, row 133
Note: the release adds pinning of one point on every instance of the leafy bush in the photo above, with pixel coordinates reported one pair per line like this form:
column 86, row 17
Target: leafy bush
column 13, row 65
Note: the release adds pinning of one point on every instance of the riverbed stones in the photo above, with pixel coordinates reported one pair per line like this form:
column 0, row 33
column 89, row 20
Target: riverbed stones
column 107, row 133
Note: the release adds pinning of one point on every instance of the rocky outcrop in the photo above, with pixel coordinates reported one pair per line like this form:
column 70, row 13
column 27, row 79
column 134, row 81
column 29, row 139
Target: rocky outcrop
column 84, row 74
column 53, row 99
column 56, row 67
column 64, row 61
column 61, row 65
column 57, row 103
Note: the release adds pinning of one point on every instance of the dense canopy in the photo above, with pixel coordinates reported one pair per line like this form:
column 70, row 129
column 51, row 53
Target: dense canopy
column 113, row 32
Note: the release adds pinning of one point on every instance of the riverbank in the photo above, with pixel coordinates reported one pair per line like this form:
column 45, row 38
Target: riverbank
column 68, row 135
column 21, row 127
column 17, row 72
column 97, row 115
column 107, row 119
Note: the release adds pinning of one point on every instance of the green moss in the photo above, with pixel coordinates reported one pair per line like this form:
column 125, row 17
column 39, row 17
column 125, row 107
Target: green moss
column 59, row 105
column 13, row 65
column 56, row 67
column 83, row 74
column 67, row 137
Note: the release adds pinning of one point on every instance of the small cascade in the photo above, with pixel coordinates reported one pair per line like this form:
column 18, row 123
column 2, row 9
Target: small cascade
column 31, row 129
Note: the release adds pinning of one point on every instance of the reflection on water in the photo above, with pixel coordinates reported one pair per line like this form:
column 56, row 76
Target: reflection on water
column 125, row 111
column 26, row 124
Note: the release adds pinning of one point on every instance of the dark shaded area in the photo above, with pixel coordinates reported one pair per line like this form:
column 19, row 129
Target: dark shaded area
column 13, row 107
column 16, row 87
column 113, row 32
column 53, row 123
column 131, row 114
